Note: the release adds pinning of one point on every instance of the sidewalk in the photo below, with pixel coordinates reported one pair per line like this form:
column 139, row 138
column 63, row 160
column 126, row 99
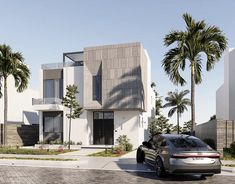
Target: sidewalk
column 126, row 162
column 227, row 168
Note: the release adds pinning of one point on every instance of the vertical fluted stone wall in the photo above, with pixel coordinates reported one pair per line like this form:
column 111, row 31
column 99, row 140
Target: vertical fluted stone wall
column 221, row 131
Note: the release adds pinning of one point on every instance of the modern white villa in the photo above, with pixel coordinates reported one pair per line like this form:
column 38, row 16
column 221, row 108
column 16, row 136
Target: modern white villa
column 115, row 92
column 20, row 109
column 225, row 95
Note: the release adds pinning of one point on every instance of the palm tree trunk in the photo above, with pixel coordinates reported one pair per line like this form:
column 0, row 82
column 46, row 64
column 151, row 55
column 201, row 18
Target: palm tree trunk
column 70, row 127
column 193, row 99
column 5, row 111
column 178, row 123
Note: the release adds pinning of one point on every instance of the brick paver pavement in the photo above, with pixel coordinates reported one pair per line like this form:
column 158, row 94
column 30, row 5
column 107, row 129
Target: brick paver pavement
column 34, row 175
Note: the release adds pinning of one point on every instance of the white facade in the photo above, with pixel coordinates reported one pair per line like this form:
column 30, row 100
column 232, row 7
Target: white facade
column 225, row 95
column 130, row 122
column 20, row 109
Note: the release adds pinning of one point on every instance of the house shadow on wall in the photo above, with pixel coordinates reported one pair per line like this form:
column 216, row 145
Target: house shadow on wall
column 129, row 93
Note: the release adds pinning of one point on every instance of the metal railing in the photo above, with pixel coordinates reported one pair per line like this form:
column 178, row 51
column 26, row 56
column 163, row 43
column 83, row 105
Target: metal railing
column 52, row 66
column 61, row 65
column 42, row 101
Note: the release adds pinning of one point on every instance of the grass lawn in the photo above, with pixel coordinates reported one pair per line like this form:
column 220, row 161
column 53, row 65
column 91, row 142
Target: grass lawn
column 106, row 153
column 30, row 158
column 13, row 150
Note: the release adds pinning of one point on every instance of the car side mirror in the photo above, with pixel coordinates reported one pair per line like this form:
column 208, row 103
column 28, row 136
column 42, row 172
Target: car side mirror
column 163, row 144
column 147, row 144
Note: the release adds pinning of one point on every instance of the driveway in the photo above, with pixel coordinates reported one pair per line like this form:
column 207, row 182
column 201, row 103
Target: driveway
column 36, row 175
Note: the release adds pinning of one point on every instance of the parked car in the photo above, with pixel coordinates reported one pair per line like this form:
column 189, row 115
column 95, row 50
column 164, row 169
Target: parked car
column 179, row 154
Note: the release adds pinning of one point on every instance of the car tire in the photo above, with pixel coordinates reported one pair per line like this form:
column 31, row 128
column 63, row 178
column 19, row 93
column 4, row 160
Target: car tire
column 159, row 167
column 139, row 156
column 208, row 175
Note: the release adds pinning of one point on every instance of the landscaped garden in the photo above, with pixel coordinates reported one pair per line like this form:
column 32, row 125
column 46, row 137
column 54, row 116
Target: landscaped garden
column 124, row 146
column 229, row 153
column 41, row 151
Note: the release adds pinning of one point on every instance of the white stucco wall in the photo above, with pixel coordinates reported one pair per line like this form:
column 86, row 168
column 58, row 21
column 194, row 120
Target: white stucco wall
column 127, row 123
column 74, row 75
column 225, row 95
column 231, row 84
column 20, row 107
column 222, row 111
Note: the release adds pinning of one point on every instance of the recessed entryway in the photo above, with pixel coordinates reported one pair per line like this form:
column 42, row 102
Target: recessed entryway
column 103, row 128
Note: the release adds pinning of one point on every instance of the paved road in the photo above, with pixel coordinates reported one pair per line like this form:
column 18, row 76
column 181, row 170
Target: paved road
column 34, row 175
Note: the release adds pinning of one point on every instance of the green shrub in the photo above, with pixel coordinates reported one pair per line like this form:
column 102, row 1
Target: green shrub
column 232, row 148
column 123, row 142
column 210, row 142
column 66, row 143
column 128, row 147
column 79, row 143
column 55, row 142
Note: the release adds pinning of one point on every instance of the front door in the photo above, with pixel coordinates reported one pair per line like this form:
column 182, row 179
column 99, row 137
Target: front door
column 103, row 128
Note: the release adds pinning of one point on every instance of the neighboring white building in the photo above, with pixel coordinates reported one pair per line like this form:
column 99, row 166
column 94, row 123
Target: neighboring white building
column 114, row 82
column 225, row 95
column 20, row 108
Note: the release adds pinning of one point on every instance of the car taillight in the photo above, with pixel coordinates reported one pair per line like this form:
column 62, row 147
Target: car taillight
column 199, row 155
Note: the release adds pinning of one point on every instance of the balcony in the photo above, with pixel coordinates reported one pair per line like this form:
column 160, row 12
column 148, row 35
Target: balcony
column 47, row 104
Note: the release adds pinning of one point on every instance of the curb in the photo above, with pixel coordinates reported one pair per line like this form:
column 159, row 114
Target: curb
column 228, row 169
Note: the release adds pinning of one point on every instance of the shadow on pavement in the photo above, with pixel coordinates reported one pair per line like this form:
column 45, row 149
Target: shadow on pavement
column 146, row 171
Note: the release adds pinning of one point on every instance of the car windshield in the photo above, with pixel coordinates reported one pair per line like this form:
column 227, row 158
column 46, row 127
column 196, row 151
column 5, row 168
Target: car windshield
column 187, row 142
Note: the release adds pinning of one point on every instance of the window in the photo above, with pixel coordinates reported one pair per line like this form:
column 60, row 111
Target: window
column 96, row 87
column 53, row 123
column 53, row 88
column 103, row 115
column 108, row 115
column 187, row 142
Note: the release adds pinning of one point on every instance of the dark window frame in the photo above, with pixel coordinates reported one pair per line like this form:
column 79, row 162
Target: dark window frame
column 96, row 87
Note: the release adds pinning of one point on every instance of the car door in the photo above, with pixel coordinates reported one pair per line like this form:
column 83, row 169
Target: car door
column 154, row 150
column 164, row 152
column 146, row 149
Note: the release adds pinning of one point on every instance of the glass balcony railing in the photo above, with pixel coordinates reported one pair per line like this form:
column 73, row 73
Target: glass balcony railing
column 61, row 65
column 44, row 101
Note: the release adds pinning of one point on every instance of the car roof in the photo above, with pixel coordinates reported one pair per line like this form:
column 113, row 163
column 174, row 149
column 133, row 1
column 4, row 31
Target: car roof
column 167, row 136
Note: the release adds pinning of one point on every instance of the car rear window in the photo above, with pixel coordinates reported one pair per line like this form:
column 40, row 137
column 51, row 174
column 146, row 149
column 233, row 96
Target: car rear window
column 188, row 142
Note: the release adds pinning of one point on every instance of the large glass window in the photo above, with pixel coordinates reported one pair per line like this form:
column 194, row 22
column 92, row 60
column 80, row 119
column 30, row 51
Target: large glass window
column 187, row 142
column 53, row 88
column 96, row 87
column 53, row 122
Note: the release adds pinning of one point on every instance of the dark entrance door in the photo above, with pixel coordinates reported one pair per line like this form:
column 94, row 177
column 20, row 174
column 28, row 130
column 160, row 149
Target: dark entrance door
column 103, row 128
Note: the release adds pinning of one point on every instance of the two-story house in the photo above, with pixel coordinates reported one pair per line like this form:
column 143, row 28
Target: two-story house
column 115, row 92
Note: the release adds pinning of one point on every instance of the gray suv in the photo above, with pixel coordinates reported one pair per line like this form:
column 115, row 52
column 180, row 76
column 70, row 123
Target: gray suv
column 179, row 154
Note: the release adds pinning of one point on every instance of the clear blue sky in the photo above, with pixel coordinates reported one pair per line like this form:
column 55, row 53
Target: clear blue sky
column 43, row 29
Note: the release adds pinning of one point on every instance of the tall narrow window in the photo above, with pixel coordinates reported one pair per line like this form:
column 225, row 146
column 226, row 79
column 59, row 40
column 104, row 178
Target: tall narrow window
column 53, row 88
column 96, row 87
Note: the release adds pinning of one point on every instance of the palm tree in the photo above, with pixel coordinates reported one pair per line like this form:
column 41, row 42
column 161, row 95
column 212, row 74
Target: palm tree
column 12, row 63
column 178, row 102
column 189, row 45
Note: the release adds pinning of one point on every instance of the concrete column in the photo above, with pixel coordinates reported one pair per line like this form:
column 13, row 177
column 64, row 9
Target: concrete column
column 40, row 125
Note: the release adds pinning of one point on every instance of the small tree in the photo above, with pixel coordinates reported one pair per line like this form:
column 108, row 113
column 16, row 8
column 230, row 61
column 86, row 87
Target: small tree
column 159, row 125
column 70, row 102
column 158, row 100
column 187, row 126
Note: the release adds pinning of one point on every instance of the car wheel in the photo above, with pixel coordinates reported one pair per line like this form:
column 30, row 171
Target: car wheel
column 160, row 170
column 139, row 156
